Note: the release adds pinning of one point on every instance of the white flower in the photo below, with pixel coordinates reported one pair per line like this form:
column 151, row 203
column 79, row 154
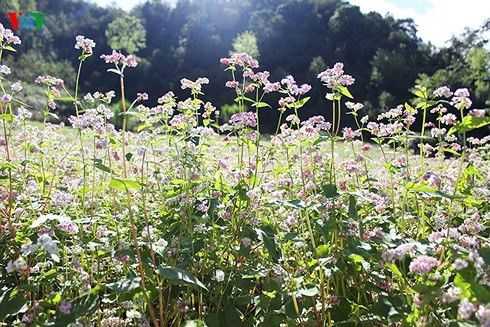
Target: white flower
column 219, row 275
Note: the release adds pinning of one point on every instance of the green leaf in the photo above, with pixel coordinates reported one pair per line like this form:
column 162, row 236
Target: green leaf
column 345, row 91
column 469, row 123
column 124, row 183
column 7, row 117
column 353, row 207
column 179, row 276
column 11, row 303
column 99, row 165
column 9, row 48
column 299, row 104
column 125, row 285
column 266, row 235
column 261, row 105
column 330, row 191
column 323, row 250
column 410, row 109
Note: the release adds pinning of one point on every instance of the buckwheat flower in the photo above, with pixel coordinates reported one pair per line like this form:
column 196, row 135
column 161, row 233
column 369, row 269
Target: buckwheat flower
column 241, row 59
column 243, row 120
column 129, row 61
column 461, row 99
column 436, row 132
column 442, row 91
column 354, row 106
column 451, row 295
column 18, row 264
column 160, row 246
column 219, row 275
column 448, row 119
column 232, row 84
column 246, row 242
column 459, row 264
column 350, row 134
column 335, row 77
column 466, row 309
column 46, row 242
column 16, row 87
column 285, row 101
column 65, row 307
column 67, row 225
column 141, row 96
column 167, row 97
column 293, row 119
column 6, row 98
column 85, row 44
column 113, row 58
column 272, row 87
column 423, row 264
column 194, row 86
column 433, row 179
column 7, row 35
column 364, row 119
column 477, row 112
column 5, row 70
column 400, row 161
column 52, row 104
column 483, row 315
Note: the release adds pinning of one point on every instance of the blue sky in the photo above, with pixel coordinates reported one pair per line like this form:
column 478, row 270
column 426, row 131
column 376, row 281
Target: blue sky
column 437, row 20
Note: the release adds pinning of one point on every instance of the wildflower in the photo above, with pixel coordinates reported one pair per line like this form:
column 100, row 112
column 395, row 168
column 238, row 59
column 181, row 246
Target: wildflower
column 355, row 107
column 117, row 57
column 350, row 134
column 6, row 98
column 5, row 70
column 466, row 309
column 241, row 59
column 460, row 264
column 46, row 242
column 243, row 119
column 477, row 112
column 461, row 99
column 18, row 264
column 437, row 132
column 232, row 84
column 448, row 119
column 451, row 295
column 16, row 87
column 65, row 307
column 67, row 225
column 85, row 44
column 141, row 96
column 194, row 86
column 443, row 91
column 433, row 179
column 219, row 275
column 423, row 264
column 7, row 35
column 335, row 77
column 364, row 119
column 272, row 87
column 483, row 315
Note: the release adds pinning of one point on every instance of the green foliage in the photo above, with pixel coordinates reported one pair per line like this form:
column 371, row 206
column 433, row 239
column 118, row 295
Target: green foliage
column 246, row 42
column 126, row 33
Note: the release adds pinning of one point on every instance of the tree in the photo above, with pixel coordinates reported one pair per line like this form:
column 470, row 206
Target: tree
column 246, row 42
column 126, row 32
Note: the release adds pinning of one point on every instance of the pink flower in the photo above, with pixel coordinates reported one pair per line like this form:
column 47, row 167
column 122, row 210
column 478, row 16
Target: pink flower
column 65, row 307
column 85, row 44
column 443, row 91
column 232, row 84
column 241, row 59
column 335, row 77
column 350, row 134
column 423, row 264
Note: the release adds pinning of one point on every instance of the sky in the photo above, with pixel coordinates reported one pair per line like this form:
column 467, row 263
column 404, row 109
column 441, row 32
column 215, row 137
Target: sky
column 437, row 20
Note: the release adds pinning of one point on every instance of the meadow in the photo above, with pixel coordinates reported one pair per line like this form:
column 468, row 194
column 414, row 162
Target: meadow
column 189, row 221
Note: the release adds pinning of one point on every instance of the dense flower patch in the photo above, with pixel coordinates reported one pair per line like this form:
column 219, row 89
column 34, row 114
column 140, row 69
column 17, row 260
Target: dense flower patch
column 176, row 224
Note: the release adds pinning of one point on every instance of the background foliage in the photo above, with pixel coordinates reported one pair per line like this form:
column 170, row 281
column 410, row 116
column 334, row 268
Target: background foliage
column 298, row 37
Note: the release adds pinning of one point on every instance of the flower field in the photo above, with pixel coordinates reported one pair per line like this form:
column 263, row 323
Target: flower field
column 190, row 221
